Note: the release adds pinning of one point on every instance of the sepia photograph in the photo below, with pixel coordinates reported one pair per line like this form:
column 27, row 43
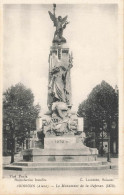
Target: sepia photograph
column 60, row 99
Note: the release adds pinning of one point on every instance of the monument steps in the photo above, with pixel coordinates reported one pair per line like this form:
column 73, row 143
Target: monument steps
column 50, row 168
column 33, row 166
column 93, row 163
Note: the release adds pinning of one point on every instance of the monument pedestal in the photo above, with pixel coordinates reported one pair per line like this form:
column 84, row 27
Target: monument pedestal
column 61, row 149
column 37, row 159
column 67, row 155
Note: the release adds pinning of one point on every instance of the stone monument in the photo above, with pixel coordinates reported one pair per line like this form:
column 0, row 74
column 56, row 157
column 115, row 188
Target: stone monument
column 63, row 130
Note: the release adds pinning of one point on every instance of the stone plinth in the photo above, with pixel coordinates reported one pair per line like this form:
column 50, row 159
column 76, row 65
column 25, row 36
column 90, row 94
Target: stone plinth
column 72, row 155
column 59, row 142
column 60, row 149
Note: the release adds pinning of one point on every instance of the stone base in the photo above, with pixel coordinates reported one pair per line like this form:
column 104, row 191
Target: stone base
column 67, row 155
column 37, row 159
column 57, row 166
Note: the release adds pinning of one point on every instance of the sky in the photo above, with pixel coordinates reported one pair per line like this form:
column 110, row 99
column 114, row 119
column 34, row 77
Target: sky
column 92, row 36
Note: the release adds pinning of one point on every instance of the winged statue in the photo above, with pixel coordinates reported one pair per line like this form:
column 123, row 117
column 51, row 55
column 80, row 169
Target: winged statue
column 60, row 24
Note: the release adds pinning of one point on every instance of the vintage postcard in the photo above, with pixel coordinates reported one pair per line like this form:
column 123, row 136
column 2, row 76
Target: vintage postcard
column 61, row 97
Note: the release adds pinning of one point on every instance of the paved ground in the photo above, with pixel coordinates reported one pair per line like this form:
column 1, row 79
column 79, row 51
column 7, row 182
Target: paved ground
column 111, row 172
